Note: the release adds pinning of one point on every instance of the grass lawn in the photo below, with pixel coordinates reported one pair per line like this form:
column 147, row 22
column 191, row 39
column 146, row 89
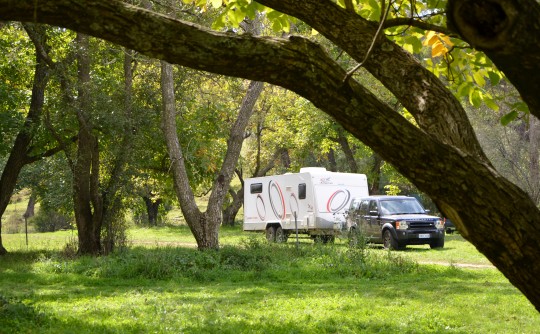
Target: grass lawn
column 162, row 284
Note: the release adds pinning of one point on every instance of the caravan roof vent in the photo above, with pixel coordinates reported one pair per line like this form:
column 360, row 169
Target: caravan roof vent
column 312, row 170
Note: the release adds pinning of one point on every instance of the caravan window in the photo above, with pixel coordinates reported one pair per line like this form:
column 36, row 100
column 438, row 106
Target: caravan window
column 256, row 188
column 302, row 191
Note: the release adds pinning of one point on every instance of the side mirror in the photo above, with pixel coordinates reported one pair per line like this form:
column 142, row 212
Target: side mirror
column 427, row 211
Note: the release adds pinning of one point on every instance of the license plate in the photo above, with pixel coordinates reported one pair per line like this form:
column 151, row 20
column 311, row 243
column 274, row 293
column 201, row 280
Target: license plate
column 424, row 236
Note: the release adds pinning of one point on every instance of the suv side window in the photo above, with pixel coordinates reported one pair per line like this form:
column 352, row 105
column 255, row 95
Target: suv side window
column 354, row 206
column 373, row 206
column 363, row 208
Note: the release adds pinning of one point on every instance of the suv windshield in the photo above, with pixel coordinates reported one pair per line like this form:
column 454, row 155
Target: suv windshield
column 401, row 206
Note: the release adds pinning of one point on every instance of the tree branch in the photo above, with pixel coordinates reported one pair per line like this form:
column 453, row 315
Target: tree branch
column 413, row 22
column 47, row 153
column 377, row 34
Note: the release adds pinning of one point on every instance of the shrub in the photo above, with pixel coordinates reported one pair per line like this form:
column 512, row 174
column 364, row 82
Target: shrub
column 14, row 224
column 51, row 221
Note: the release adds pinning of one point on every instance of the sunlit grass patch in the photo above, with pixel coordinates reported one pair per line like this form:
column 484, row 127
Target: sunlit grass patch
column 251, row 286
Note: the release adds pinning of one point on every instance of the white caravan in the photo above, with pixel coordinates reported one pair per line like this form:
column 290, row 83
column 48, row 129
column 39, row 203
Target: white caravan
column 311, row 202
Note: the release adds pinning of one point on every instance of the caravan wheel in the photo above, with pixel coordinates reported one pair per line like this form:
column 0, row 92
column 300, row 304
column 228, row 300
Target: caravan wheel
column 271, row 234
column 281, row 236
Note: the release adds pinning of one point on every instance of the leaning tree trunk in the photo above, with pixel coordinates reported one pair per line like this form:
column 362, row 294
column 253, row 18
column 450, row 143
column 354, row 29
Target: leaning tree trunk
column 204, row 226
column 30, row 206
column 19, row 156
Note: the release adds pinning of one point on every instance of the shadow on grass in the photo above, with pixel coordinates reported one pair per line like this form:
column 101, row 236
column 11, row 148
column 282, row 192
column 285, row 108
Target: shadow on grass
column 18, row 317
column 294, row 292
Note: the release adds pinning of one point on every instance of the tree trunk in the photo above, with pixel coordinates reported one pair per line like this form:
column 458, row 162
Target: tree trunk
column 331, row 157
column 112, row 195
column 231, row 210
column 349, row 155
column 18, row 156
column 30, row 206
column 375, row 175
column 152, row 209
column 87, row 201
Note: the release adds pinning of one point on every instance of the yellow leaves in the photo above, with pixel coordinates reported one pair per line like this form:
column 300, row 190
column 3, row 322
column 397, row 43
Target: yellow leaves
column 216, row 3
column 440, row 43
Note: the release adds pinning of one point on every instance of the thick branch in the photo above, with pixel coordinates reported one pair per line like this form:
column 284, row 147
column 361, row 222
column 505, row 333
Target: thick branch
column 412, row 22
column 435, row 109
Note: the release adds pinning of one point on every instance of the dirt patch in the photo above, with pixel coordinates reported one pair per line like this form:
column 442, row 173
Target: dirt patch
column 459, row 265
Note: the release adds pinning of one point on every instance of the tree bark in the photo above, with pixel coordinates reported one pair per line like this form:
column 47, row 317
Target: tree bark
column 19, row 155
column 418, row 90
column 375, row 174
column 349, row 155
column 534, row 162
column 500, row 219
column 331, row 158
column 230, row 211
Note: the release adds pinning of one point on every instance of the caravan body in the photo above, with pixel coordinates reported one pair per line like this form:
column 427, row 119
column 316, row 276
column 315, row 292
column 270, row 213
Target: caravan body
column 312, row 201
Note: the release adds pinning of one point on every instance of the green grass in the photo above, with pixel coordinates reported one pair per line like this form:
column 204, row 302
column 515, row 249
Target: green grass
column 162, row 284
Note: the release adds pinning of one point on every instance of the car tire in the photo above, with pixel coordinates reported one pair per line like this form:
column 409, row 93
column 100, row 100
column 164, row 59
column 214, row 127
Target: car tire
column 271, row 234
column 329, row 239
column 389, row 242
column 437, row 244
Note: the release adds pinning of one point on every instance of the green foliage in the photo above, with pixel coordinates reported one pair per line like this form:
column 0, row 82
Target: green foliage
column 517, row 109
column 50, row 179
column 16, row 68
column 51, row 221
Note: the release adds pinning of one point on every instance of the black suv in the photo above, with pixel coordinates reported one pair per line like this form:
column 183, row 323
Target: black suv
column 394, row 221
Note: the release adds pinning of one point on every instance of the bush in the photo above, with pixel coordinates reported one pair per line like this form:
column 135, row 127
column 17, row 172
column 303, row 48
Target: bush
column 14, row 224
column 51, row 221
